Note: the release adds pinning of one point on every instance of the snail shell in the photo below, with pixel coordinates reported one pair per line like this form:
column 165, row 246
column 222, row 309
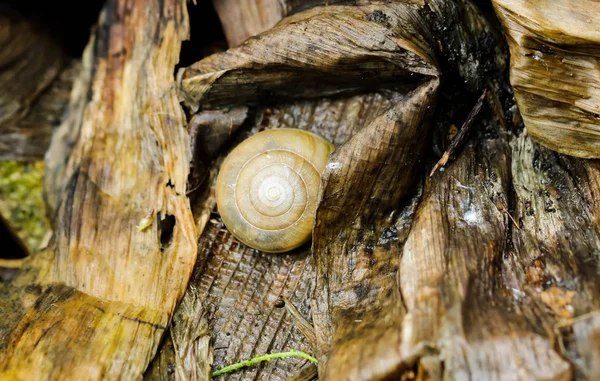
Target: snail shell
column 267, row 188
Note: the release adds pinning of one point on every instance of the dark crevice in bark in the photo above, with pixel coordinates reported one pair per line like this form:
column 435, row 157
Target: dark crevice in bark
column 57, row 18
column 201, row 43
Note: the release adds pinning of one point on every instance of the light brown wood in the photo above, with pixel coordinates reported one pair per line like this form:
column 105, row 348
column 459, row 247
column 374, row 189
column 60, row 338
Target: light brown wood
column 555, row 71
column 242, row 19
column 97, row 302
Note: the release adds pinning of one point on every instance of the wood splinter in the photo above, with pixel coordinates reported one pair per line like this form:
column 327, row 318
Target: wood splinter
column 461, row 133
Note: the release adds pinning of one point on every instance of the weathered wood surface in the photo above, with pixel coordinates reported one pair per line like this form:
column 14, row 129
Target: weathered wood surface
column 242, row 19
column 317, row 64
column 555, row 70
column 486, row 270
column 456, row 282
column 96, row 303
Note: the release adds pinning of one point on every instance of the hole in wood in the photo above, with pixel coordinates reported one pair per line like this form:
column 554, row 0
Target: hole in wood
column 166, row 231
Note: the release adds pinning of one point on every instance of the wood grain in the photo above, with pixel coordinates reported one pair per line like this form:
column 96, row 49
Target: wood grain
column 554, row 71
column 97, row 302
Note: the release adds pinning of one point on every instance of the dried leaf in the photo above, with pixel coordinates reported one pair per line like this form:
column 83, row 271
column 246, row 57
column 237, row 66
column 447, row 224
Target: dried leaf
column 321, row 51
column 358, row 237
column 555, row 71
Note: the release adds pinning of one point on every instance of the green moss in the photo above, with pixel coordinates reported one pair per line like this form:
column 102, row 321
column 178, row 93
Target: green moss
column 21, row 201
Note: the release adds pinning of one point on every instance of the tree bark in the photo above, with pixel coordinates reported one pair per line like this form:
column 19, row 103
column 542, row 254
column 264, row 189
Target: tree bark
column 96, row 303
column 485, row 269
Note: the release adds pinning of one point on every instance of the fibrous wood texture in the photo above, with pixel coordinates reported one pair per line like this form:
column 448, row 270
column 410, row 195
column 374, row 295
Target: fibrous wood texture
column 96, row 303
column 447, row 283
column 239, row 289
column 488, row 269
column 555, row 71
column 245, row 18
column 267, row 68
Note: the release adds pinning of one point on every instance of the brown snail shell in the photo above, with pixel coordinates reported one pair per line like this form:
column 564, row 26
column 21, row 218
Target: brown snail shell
column 267, row 188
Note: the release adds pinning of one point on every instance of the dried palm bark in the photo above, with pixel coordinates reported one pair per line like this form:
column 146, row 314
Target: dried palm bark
column 96, row 303
column 390, row 145
column 239, row 291
column 245, row 309
column 357, row 307
column 555, row 258
column 267, row 68
column 461, row 318
column 35, row 79
column 554, row 70
column 489, row 273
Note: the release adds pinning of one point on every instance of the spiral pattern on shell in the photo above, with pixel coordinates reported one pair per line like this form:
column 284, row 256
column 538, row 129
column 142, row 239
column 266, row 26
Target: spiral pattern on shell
column 267, row 188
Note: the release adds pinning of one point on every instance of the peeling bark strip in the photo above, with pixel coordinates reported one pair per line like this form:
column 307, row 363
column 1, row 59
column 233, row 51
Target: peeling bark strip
column 129, row 116
column 357, row 309
column 64, row 334
column 131, row 155
column 555, row 70
column 336, row 49
column 451, row 281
